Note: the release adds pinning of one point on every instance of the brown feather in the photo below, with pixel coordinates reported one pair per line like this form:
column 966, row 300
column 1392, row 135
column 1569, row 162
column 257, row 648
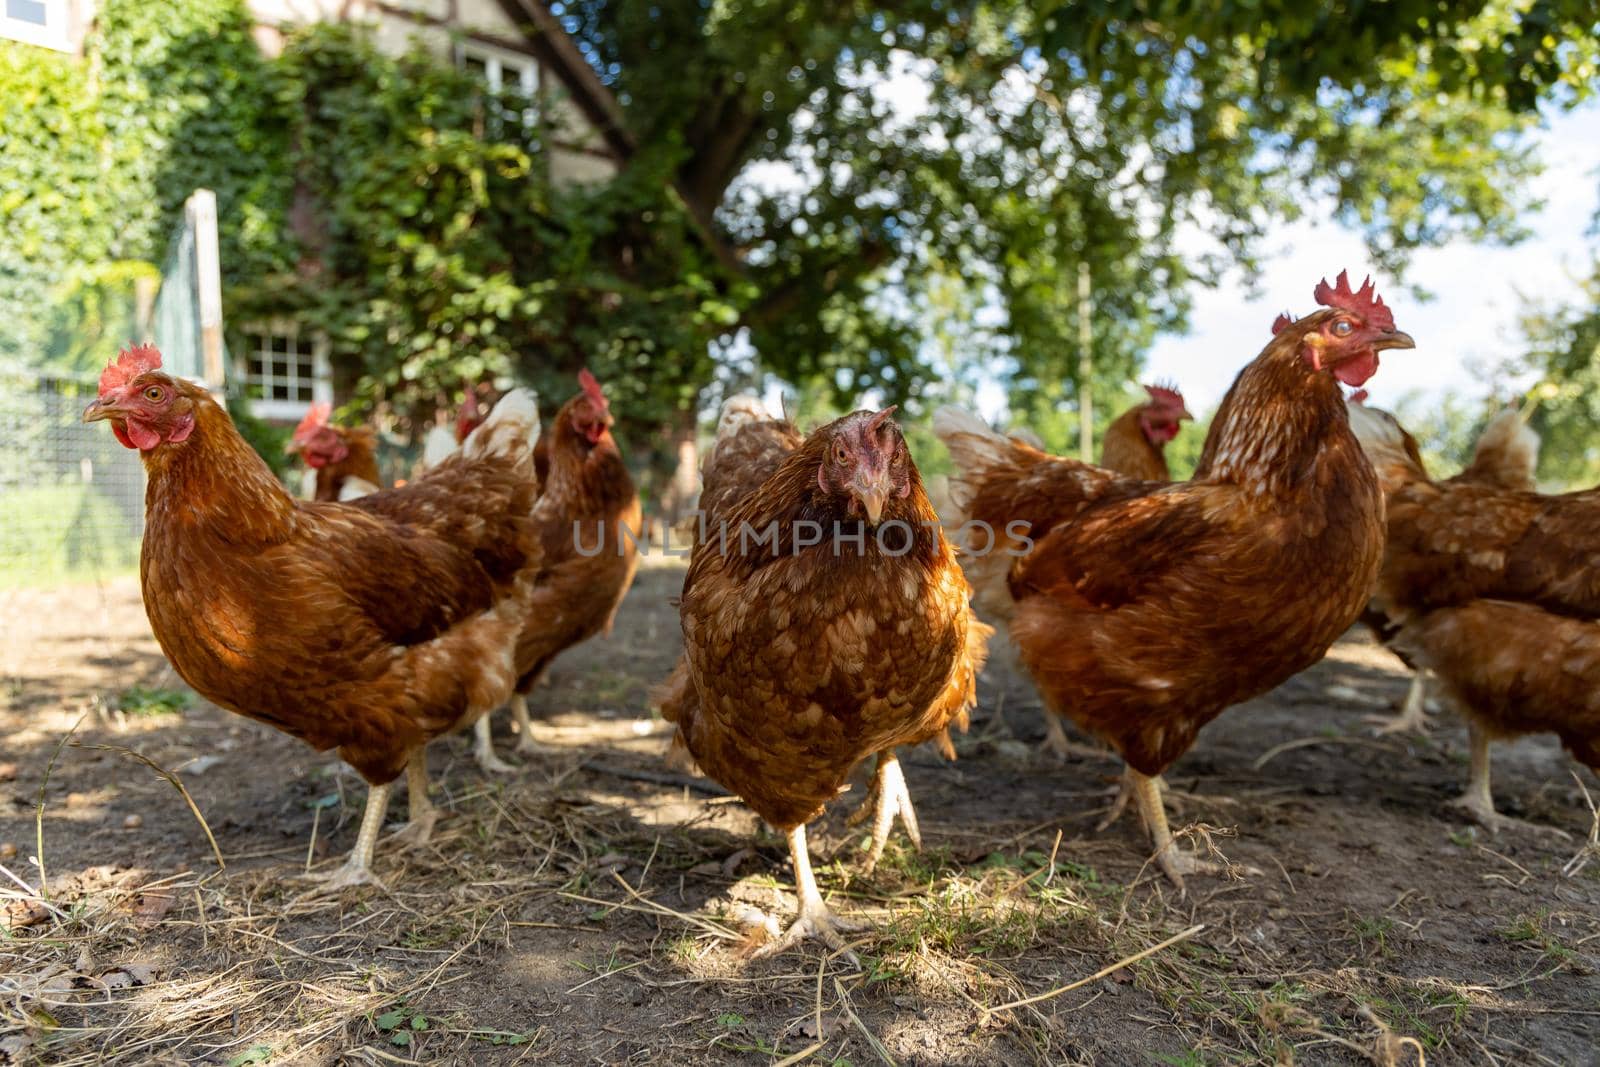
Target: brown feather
column 798, row 664
column 1144, row 609
column 369, row 627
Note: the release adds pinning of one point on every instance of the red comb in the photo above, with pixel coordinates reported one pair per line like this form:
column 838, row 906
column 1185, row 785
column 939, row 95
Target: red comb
column 131, row 362
column 1165, row 393
column 875, row 423
column 1281, row 323
column 316, row 418
column 1364, row 301
column 591, row 388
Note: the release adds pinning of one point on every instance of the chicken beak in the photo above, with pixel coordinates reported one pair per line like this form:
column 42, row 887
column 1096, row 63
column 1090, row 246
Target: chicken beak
column 873, row 495
column 1393, row 339
column 292, row 448
column 100, row 410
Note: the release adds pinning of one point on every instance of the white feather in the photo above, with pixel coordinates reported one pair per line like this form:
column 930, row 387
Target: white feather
column 512, row 428
column 438, row 446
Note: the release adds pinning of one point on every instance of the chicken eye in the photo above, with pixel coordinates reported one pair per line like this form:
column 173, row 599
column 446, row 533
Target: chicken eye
column 841, row 454
column 153, row 394
column 1342, row 328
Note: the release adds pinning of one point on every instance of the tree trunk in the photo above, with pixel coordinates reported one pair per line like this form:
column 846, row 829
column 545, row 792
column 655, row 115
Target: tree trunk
column 683, row 489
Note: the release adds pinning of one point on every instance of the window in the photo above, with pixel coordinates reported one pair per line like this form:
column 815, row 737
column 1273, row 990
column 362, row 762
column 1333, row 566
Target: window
column 284, row 371
column 27, row 11
column 503, row 71
column 500, row 68
column 39, row 22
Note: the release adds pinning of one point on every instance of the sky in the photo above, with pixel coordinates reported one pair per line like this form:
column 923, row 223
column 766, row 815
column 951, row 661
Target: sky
column 1478, row 289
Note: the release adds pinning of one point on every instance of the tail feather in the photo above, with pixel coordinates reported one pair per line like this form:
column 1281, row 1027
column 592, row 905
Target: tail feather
column 975, row 447
column 511, row 430
column 737, row 411
column 439, row 445
column 1507, row 453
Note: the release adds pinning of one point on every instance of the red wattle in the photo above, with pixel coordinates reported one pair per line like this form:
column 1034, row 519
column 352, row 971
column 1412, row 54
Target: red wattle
column 143, row 437
column 1356, row 371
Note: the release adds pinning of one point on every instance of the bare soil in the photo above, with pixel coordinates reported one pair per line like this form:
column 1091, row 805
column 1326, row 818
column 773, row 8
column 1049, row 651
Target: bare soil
column 595, row 906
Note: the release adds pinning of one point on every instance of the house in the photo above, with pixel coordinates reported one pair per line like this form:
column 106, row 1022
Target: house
column 508, row 43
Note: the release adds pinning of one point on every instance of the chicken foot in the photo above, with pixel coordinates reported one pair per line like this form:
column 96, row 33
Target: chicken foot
column 422, row 815
column 889, row 798
column 815, row 919
column 1413, row 717
column 1478, row 799
column 357, row 867
column 1173, row 861
column 483, row 746
column 526, row 745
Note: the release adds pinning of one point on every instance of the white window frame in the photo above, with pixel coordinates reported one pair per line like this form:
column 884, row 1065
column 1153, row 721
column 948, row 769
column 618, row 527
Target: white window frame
column 495, row 61
column 55, row 34
column 259, row 350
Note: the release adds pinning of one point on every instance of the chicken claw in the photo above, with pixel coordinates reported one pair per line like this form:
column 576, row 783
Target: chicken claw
column 815, row 919
column 1174, row 862
column 1058, row 744
column 357, row 867
column 1478, row 800
column 890, row 797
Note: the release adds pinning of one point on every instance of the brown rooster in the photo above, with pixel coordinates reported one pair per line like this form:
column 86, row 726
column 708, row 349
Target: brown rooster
column 1497, row 592
column 344, row 462
column 371, row 627
column 1143, row 609
column 824, row 620
column 589, row 525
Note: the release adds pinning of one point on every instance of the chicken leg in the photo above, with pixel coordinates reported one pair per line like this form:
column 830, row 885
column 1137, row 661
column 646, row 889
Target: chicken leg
column 815, row 919
column 1173, row 861
column 357, row 867
column 422, row 814
column 889, row 798
column 1413, row 717
column 519, row 712
column 1058, row 744
column 1125, row 791
column 1478, row 800
column 483, row 746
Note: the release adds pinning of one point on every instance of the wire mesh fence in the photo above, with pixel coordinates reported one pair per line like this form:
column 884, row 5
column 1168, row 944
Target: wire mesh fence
column 71, row 497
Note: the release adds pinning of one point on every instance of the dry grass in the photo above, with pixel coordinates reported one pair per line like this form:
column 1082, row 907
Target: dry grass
column 599, row 908
column 1001, row 949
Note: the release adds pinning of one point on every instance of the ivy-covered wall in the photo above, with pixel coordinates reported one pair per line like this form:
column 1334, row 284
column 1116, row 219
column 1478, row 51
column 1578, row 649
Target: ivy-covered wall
column 386, row 201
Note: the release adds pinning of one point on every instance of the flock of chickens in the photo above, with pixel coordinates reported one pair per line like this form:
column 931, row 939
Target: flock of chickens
column 829, row 614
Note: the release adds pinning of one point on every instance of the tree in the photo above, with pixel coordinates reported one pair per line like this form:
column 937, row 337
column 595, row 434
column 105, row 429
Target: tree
column 1038, row 139
column 1563, row 355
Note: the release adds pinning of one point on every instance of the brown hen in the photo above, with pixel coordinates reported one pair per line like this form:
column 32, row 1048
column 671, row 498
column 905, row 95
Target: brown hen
column 1497, row 592
column 824, row 620
column 343, row 463
column 1142, row 609
column 370, row 627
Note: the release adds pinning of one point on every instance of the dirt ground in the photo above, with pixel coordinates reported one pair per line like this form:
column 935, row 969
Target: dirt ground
column 592, row 908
